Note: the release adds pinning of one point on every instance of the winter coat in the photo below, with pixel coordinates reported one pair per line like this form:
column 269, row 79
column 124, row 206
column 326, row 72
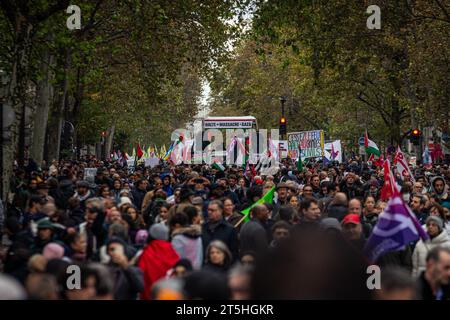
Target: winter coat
column 156, row 259
column 222, row 231
column 234, row 218
column 168, row 189
column 337, row 211
column 422, row 249
column 138, row 197
column 216, row 268
column 253, row 237
column 187, row 242
column 83, row 199
column 128, row 282
column 426, row 293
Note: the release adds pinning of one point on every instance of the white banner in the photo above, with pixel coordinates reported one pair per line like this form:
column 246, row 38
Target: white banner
column 333, row 151
column 211, row 124
column 402, row 165
column 282, row 148
column 151, row 162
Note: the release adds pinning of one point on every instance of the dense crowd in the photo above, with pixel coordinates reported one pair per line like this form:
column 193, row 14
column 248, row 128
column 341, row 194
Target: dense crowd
column 177, row 232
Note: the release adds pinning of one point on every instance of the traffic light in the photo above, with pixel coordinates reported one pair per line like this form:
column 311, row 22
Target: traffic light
column 283, row 125
column 414, row 136
column 104, row 133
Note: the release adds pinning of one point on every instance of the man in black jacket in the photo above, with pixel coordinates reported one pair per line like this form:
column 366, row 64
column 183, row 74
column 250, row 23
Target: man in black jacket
column 139, row 193
column 216, row 228
column 253, row 235
column 434, row 282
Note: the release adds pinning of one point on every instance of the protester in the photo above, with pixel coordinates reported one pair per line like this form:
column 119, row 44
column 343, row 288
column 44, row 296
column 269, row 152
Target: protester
column 216, row 228
column 217, row 257
column 174, row 231
column 157, row 258
column 186, row 239
column 254, row 235
column 433, row 281
column 438, row 237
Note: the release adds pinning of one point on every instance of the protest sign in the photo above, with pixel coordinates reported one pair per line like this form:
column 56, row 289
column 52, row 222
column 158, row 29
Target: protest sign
column 310, row 144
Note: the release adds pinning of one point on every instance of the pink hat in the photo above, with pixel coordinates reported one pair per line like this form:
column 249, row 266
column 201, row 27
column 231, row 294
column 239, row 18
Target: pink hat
column 53, row 251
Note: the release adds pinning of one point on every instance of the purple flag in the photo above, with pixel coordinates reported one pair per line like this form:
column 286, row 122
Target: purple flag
column 396, row 227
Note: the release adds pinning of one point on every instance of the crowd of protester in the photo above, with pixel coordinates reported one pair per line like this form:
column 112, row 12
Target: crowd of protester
column 177, row 232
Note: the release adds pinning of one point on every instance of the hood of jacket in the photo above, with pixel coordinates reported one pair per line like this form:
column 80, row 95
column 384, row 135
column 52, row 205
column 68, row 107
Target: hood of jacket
column 192, row 231
column 442, row 195
column 441, row 238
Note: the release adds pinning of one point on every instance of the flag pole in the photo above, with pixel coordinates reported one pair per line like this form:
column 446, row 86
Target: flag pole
column 240, row 221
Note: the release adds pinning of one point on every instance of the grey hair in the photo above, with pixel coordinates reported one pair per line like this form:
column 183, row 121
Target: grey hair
column 221, row 246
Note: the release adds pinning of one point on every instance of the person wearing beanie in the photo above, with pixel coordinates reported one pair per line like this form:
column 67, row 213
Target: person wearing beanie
column 157, row 257
column 53, row 251
column 331, row 224
column 438, row 237
column 45, row 235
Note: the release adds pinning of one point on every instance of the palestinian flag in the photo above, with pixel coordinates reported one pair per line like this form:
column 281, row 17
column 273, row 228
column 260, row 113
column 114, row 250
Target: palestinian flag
column 218, row 166
column 371, row 147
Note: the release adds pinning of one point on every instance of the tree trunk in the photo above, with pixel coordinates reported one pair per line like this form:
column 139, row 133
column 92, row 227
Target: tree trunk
column 43, row 105
column 16, row 97
column 109, row 140
column 56, row 120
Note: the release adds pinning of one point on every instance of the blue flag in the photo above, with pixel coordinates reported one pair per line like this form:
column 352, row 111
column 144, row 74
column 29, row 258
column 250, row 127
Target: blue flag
column 396, row 227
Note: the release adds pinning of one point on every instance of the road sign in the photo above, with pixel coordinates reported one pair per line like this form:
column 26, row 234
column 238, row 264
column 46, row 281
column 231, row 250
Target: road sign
column 361, row 141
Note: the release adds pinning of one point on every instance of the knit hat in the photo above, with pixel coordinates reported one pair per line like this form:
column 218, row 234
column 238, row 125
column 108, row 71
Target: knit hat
column 124, row 200
column 159, row 231
column 446, row 204
column 45, row 224
column 437, row 220
column 331, row 223
column 53, row 251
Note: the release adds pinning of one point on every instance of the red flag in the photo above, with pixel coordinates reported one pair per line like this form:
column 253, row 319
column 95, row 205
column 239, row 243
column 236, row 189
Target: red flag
column 379, row 162
column 253, row 170
column 139, row 152
column 389, row 188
